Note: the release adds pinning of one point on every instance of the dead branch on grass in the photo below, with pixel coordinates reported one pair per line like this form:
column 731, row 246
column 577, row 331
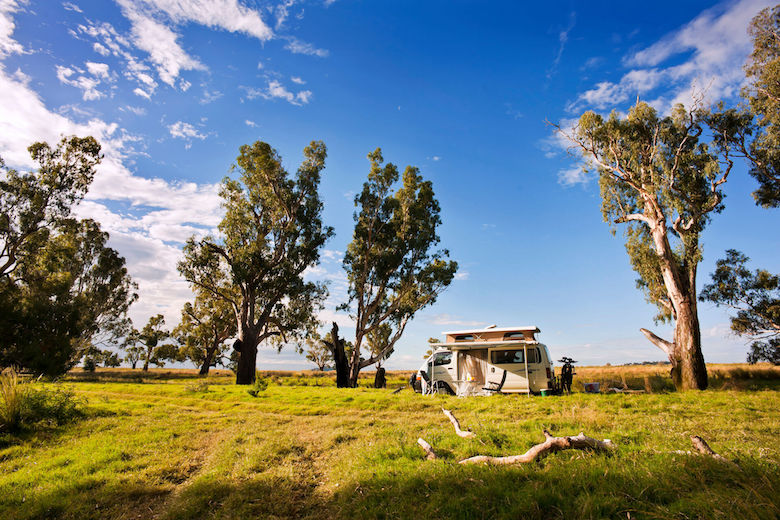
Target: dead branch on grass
column 429, row 453
column 456, row 424
column 550, row 445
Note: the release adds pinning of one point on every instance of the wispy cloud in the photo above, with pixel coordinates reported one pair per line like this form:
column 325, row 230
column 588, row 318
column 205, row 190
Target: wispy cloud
column 715, row 45
column 297, row 46
column 182, row 130
column 275, row 90
column 563, row 38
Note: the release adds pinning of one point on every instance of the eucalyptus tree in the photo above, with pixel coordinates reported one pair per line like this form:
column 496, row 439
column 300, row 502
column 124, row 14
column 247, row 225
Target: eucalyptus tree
column 763, row 94
column 317, row 352
column 271, row 233
column 150, row 337
column 204, row 327
column 393, row 269
column 63, row 291
column 755, row 298
column 662, row 178
column 32, row 202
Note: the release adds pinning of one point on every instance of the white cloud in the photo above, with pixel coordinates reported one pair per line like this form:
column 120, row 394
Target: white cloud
column 70, row 6
column 73, row 78
column 297, row 46
column 275, row 90
column 250, row 123
column 100, row 49
column 99, row 70
column 160, row 42
column 282, row 12
column 209, row 96
column 8, row 45
column 297, row 80
column 139, row 111
column 462, row 275
column 572, row 176
column 715, row 45
column 229, row 15
column 141, row 92
column 436, row 158
column 182, row 130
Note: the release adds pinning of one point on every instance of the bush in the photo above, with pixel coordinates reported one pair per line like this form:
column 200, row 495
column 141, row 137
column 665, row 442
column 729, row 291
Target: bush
column 260, row 385
column 24, row 405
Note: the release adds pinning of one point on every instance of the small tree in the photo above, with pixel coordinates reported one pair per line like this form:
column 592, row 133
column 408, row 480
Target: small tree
column 272, row 231
column 166, row 352
column 151, row 337
column 203, row 330
column 134, row 354
column 392, row 269
column 661, row 178
column 317, row 352
column 755, row 296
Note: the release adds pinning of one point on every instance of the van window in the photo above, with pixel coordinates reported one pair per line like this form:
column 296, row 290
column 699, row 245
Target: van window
column 464, row 337
column 442, row 358
column 505, row 357
column 514, row 335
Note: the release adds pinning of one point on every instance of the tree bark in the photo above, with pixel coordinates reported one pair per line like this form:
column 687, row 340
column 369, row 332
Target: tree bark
column 204, row 368
column 146, row 359
column 688, row 369
column 379, row 379
column 687, row 343
column 247, row 358
column 340, row 361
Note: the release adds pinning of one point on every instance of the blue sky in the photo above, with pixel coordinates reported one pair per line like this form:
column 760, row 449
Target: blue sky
column 460, row 89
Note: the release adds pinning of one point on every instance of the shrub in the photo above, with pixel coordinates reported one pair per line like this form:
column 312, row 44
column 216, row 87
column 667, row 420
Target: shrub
column 24, row 405
column 12, row 393
column 260, row 385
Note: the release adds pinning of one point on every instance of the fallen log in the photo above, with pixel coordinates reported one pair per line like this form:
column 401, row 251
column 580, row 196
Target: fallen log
column 396, row 390
column 429, row 453
column 550, row 445
column 456, row 424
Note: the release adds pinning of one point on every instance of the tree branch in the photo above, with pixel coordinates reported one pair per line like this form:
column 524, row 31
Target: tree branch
column 661, row 343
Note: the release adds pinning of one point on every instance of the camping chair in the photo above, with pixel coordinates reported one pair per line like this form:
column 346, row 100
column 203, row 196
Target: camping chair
column 495, row 387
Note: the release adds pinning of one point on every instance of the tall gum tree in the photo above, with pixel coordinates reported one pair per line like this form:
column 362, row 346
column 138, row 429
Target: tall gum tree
column 392, row 266
column 763, row 95
column 271, row 232
column 662, row 177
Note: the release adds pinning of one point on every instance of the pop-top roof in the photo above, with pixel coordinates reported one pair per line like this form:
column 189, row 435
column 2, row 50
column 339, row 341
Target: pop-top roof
column 493, row 329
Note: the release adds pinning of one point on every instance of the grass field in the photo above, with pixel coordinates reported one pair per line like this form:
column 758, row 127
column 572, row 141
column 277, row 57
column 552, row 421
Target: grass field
column 169, row 445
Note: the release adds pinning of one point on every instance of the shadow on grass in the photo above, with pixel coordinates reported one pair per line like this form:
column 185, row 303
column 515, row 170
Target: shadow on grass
column 562, row 486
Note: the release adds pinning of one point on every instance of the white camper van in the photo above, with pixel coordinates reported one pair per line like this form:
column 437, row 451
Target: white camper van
column 485, row 361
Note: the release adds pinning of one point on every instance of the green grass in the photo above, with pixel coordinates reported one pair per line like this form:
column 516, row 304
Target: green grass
column 175, row 448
